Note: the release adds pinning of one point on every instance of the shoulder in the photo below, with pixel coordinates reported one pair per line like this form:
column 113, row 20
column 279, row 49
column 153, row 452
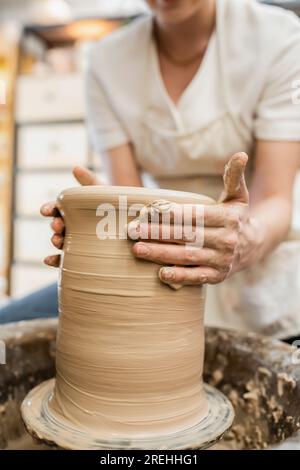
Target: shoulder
column 121, row 46
column 259, row 46
column 265, row 24
column 254, row 36
column 259, row 13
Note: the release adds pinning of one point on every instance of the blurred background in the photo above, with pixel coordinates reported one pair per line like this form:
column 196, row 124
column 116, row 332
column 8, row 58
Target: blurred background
column 43, row 50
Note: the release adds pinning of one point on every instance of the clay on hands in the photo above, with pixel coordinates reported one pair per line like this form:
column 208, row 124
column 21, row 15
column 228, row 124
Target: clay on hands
column 85, row 177
column 223, row 223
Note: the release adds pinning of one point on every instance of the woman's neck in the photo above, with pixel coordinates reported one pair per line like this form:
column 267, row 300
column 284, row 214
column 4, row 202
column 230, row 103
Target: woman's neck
column 190, row 36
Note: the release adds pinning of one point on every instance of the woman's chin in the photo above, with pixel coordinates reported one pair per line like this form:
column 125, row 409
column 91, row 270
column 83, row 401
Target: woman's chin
column 174, row 11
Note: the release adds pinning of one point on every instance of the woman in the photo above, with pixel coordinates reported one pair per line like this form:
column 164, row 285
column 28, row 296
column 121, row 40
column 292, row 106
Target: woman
column 176, row 95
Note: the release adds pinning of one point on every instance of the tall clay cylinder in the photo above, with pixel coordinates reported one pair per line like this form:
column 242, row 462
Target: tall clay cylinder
column 129, row 348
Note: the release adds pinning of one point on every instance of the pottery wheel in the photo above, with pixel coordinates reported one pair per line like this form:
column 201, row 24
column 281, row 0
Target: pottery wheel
column 42, row 425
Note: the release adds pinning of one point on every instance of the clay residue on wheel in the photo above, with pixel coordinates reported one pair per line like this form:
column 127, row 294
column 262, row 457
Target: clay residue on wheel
column 237, row 363
column 266, row 404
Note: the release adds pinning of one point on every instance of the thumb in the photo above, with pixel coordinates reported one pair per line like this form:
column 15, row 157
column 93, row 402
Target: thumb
column 234, row 179
column 85, row 177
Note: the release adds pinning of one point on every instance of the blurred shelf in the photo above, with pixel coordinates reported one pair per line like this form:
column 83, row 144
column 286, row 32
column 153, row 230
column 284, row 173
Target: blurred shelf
column 9, row 55
column 89, row 29
column 53, row 98
column 50, row 138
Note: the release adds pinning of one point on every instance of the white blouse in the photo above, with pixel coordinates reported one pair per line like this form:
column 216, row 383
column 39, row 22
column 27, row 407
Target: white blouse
column 245, row 89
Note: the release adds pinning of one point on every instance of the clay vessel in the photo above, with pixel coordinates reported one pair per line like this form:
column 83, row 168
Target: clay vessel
column 130, row 349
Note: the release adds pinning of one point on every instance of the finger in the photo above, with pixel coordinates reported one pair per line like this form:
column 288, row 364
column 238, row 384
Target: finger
column 220, row 239
column 57, row 241
column 163, row 212
column 215, row 216
column 196, row 215
column 53, row 261
column 49, row 210
column 180, row 276
column 168, row 233
column 234, row 179
column 160, row 253
column 185, row 256
column 217, row 238
column 58, row 225
column 85, row 177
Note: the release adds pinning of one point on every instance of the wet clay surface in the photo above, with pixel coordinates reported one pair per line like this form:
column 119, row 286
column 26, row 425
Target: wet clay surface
column 129, row 363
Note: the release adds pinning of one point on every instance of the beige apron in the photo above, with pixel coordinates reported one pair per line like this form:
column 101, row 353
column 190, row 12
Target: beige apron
column 264, row 298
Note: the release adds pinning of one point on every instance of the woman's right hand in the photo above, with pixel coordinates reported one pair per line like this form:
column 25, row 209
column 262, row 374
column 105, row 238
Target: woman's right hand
column 84, row 177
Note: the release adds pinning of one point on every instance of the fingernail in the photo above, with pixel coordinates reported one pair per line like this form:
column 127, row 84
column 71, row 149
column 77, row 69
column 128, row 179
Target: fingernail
column 168, row 274
column 133, row 229
column 142, row 250
column 58, row 240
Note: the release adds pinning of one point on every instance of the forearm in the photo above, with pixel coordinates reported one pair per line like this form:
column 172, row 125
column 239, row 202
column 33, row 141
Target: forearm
column 276, row 164
column 121, row 168
column 268, row 225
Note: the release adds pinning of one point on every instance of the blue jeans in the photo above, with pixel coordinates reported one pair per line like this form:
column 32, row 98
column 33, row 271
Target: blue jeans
column 40, row 304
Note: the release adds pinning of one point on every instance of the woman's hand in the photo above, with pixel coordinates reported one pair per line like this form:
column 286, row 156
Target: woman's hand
column 86, row 178
column 228, row 237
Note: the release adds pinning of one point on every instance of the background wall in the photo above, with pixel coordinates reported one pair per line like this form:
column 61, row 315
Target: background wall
column 42, row 124
column 25, row 10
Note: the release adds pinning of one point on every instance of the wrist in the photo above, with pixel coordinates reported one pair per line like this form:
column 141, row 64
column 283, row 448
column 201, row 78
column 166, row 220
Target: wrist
column 250, row 248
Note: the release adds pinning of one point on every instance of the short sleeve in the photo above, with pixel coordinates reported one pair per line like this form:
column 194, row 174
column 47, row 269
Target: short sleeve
column 105, row 128
column 277, row 115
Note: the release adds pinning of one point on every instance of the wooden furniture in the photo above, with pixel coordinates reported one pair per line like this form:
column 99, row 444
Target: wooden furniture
column 50, row 139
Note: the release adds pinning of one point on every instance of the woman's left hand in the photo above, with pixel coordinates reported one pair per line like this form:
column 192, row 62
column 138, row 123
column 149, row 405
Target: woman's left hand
column 227, row 237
